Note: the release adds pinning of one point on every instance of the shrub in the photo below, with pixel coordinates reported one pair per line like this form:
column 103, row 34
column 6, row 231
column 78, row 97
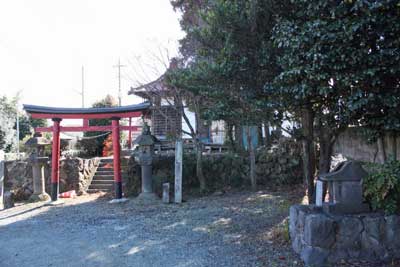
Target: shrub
column 382, row 187
column 108, row 146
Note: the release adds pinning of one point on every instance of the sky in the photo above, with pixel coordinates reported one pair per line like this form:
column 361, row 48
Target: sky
column 45, row 43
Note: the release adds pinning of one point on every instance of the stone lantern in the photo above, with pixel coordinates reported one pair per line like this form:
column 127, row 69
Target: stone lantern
column 146, row 142
column 345, row 189
column 37, row 145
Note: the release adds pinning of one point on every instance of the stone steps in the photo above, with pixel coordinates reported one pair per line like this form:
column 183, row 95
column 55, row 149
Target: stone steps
column 103, row 179
column 108, row 172
column 102, row 182
column 91, row 191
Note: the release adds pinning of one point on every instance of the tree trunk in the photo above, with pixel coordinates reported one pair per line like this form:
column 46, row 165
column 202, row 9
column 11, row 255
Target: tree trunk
column 252, row 159
column 260, row 135
column 267, row 134
column 307, row 120
column 239, row 137
column 393, row 146
column 199, row 166
column 325, row 151
column 381, row 148
column 229, row 136
column 325, row 155
column 199, row 155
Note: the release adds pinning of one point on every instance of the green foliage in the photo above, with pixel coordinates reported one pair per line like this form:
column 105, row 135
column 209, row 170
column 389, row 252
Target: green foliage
column 342, row 58
column 7, row 119
column 94, row 147
column 231, row 58
column 382, row 187
column 261, row 60
column 26, row 125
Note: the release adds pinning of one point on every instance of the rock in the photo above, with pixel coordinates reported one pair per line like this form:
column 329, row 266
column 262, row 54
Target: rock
column 297, row 243
column 348, row 234
column 392, row 232
column 372, row 238
column 314, row 256
column 319, row 231
column 39, row 197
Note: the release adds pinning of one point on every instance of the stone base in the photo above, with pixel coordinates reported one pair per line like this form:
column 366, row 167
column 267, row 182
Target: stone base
column 39, row 197
column 148, row 197
column 340, row 209
column 55, row 203
column 118, row 200
column 325, row 238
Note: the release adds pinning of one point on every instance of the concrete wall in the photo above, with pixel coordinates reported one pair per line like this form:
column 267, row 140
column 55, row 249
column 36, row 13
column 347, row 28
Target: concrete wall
column 353, row 144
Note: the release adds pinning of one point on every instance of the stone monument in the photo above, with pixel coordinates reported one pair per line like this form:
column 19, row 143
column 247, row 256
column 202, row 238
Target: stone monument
column 37, row 144
column 146, row 143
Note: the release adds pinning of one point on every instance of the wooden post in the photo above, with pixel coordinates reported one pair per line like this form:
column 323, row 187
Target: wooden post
column 55, row 159
column 178, row 171
column 2, row 179
column 117, row 155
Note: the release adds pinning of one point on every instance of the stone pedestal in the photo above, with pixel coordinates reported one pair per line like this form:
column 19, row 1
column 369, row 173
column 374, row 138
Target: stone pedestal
column 165, row 194
column 39, row 193
column 324, row 238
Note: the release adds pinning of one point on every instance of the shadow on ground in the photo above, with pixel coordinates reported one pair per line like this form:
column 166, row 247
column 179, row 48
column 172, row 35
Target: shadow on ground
column 224, row 230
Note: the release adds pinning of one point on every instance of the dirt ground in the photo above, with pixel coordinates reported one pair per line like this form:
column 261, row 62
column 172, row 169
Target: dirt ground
column 227, row 230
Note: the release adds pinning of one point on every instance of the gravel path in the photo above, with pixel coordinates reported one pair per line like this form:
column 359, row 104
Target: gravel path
column 210, row 231
column 228, row 230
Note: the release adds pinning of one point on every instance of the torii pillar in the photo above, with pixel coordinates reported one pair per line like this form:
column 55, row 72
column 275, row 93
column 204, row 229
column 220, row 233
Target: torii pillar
column 117, row 158
column 55, row 159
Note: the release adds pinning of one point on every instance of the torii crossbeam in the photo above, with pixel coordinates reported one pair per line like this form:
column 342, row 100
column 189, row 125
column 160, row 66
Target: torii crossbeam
column 113, row 113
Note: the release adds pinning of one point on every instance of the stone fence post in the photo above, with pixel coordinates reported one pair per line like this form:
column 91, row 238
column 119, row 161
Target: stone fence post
column 178, row 171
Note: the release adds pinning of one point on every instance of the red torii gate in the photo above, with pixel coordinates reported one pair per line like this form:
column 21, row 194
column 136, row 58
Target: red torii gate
column 113, row 113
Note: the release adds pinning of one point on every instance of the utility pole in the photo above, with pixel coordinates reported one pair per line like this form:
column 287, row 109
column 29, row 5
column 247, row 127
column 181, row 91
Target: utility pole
column 18, row 96
column 17, row 130
column 119, row 81
column 82, row 92
column 83, row 87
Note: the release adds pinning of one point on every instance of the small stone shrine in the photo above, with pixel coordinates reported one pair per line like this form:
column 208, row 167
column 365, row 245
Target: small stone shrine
column 345, row 189
column 343, row 228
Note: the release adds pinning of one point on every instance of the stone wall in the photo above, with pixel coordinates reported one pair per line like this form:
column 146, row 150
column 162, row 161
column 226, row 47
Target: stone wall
column 18, row 178
column 280, row 164
column 320, row 238
column 75, row 174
